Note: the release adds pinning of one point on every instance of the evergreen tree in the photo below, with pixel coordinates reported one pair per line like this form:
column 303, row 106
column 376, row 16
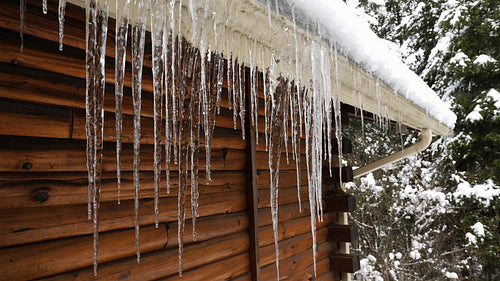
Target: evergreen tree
column 455, row 47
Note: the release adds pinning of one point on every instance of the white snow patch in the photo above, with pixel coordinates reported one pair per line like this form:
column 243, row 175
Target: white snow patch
column 471, row 237
column 415, row 254
column 475, row 115
column 484, row 59
column 495, row 96
column 451, row 275
column 460, row 59
column 482, row 192
column 478, row 229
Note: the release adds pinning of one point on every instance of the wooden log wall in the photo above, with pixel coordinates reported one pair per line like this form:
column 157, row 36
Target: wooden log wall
column 44, row 230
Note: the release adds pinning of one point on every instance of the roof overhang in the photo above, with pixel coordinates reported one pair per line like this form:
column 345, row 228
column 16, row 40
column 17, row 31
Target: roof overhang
column 246, row 26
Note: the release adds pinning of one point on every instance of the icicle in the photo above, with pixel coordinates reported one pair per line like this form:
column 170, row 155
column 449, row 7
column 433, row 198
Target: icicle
column 167, row 61
column 22, row 16
column 157, row 28
column 241, row 97
column 122, row 7
column 194, row 113
column 362, row 114
column 44, row 7
column 337, row 110
column 278, row 116
column 96, row 34
column 138, row 37
column 61, row 10
column 183, row 143
column 269, row 11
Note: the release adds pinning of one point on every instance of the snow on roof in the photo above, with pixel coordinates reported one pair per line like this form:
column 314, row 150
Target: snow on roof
column 360, row 44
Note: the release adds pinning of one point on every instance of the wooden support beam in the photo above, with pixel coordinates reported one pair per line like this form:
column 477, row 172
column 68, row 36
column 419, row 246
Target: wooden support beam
column 340, row 202
column 344, row 263
column 342, row 233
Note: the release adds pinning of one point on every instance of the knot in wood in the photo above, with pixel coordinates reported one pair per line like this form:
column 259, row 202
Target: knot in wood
column 40, row 195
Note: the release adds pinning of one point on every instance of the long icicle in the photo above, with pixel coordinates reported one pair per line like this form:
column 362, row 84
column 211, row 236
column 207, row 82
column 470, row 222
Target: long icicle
column 122, row 9
column 90, row 112
column 157, row 28
column 277, row 118
column 61, row 11
column 138, row 37
column 22, row 17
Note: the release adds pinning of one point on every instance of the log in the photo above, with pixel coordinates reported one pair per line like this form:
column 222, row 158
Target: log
column 45, row 55
column 56, row 190
column 288, row 178
column 342, row 233
column 298, row 266
column 223, row 270
column 39, row 25
column 289, row 247
column 164, row 263
column 37, row 86
column 286, row 196
column 286, row 213
column 344, row 263
column 43, row 155
column 22, row 119
column 58, row 256
column 329, row 276
column 290, row 229
column 244, row 277
column 340, row 202
column 25, row 225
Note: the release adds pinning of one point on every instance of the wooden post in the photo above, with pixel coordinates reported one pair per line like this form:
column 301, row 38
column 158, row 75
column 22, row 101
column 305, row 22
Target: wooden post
column 252, row 190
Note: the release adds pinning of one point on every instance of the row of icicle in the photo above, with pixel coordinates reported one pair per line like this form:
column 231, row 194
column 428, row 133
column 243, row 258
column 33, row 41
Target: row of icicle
column 188, row 85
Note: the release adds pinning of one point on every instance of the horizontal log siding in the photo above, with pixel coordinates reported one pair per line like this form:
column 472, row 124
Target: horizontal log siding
column 44, row 229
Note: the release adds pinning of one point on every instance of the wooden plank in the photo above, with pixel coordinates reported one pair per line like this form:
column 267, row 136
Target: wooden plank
column 342, row 233
column 292, row 228
column 288, row 178
column 43, row 155
column 25, row 225
column 344, row 263
column 286, row 213
column 57, row 256
column 23, row 119
column 340, row 202
column 299, row 266
column 286, row 196
column 54, row 189
column 289, row 247
column 164, row 263
column 252, row 190
column 223, row 270
column 45, row 26
column 45, row 55
column 329, row 276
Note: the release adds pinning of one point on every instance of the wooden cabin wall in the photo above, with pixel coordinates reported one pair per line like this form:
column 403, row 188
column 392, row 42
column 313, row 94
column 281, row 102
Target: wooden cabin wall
column 44, row 230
